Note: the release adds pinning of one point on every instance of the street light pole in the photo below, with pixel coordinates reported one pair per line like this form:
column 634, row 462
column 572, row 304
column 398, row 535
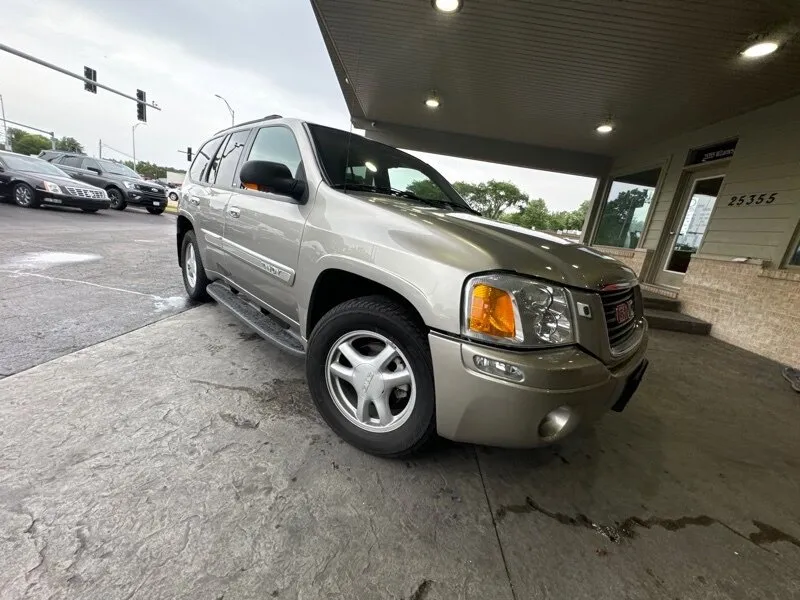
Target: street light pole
column 230, row 110
column 133, row 136
column 5, row 127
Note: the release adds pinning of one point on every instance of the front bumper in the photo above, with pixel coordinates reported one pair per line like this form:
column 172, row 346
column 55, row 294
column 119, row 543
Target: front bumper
column 48, row 198
column 481, row 409
column 143, row 198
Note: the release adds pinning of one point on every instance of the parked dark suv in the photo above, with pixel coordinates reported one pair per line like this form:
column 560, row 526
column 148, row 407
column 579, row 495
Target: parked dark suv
column 123, row 185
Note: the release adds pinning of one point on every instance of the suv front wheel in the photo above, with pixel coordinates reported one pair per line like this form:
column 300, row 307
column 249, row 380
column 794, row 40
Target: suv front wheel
column 369, row 371
column 116, row 198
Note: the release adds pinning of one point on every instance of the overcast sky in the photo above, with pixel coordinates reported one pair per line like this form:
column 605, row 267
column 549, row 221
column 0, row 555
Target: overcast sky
column 265, row 56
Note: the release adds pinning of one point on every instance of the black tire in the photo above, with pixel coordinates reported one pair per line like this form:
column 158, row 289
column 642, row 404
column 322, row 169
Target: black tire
column 173, row 196
column 198, row 290
column 155, row 211
column 383, row 316
column 25, row 196
column 90, row 210
column 117, row 199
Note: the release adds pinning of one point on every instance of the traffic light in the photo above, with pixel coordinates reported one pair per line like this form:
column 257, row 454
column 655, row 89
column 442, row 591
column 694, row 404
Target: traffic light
column 141, row 107
column 189, row 154
column 90, row 73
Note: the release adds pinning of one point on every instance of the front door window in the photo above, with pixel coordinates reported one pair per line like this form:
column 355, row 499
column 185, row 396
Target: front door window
column 695, row 221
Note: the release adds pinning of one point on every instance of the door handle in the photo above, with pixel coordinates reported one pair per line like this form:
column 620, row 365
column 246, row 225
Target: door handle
column 234, row 212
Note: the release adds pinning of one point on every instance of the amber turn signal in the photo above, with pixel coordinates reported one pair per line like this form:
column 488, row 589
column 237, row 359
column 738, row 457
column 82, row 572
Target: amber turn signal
column 491, row 311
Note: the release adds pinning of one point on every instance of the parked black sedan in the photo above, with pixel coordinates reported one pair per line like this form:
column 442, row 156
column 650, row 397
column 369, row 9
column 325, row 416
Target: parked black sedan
column 32, row 182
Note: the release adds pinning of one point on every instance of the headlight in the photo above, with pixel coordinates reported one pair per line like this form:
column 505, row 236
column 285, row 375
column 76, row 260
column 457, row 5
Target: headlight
column 129, row 185
column 52, row 188
column 516, row 310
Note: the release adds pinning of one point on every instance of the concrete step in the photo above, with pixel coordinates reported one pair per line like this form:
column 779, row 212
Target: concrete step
column 675, row 321
column 659, row 302
column 267, row 326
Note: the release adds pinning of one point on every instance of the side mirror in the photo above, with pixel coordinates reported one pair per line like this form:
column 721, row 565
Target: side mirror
column 93, row 170
column 272, row 177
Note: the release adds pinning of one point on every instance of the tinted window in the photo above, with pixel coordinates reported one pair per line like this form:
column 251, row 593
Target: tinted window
column 224, row 166
column 276, row 144
column 71, row 161
column 91, row 163
column 203, row 157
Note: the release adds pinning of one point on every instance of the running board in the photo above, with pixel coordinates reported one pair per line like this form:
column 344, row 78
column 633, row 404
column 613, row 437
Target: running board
column 266, row 326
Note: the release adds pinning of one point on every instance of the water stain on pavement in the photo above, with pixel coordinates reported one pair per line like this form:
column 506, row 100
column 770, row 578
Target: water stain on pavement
column 627, row 528
column 291, row 395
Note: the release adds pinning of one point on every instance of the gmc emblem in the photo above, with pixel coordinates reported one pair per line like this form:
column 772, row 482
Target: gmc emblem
column 624, row 312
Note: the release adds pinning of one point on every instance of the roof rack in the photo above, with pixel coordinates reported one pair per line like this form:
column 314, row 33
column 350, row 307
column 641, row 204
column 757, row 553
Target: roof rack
column 267, row 118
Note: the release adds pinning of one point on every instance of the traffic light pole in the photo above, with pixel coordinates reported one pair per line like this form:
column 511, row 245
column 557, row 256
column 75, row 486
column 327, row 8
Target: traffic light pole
column 39, row 61
column 50, row 133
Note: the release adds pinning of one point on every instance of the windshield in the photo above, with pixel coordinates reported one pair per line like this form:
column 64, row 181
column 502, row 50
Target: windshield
column 368, row 165
column 31, row 165
column 119, row 169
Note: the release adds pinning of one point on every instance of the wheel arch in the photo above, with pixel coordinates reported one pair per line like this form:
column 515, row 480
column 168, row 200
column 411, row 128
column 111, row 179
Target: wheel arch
column 334, row 285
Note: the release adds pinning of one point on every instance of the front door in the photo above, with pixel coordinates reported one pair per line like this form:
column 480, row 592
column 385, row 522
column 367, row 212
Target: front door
column 688, row 228
column 263, row 230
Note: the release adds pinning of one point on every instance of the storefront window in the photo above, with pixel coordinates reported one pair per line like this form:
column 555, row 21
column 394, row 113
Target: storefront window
column 794, row 259
column 622, row 220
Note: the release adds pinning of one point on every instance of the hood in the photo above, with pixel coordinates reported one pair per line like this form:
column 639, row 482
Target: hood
column 143, row 184
column 517, row 249
column 61, row 180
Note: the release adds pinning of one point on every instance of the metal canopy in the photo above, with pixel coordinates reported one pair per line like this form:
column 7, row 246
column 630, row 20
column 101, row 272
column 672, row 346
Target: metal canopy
column 542, row 74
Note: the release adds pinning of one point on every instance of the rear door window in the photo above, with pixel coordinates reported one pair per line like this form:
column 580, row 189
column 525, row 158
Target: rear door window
column 203, row 157
column 224, row 166
column 71, row 161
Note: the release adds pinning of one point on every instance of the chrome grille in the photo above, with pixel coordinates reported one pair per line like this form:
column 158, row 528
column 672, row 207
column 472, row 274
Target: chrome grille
column 85, row 192
column 619, row 333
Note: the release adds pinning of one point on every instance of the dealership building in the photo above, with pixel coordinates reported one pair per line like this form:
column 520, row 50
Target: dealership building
column 686, row 113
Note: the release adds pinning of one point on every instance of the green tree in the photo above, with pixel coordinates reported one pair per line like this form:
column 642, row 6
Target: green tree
column 26, row 143
column 69, row 144
column 147, row 170
column 533, row 215
column 492, row 198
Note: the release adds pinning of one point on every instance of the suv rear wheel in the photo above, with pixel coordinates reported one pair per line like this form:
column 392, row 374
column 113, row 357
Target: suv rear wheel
column 117, row 199
column 194, row 275
column 370, row 375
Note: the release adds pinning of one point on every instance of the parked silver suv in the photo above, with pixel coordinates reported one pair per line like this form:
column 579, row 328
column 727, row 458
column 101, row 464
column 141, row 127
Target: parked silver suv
column 415, row 314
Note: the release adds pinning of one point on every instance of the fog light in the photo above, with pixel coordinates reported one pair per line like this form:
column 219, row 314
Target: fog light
column 555, row 423
column 498, row 368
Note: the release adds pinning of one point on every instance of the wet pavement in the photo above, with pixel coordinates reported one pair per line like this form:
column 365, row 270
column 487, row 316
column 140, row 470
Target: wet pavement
column 185, row 460
column 70, row 279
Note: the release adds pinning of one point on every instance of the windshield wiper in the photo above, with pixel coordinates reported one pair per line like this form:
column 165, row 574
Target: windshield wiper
column 404, row 194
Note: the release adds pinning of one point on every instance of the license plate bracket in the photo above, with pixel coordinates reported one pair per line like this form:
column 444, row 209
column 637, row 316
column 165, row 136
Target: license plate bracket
column 156, row 203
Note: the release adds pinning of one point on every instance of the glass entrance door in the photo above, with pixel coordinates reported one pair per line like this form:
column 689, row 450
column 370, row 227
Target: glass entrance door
column 689, row 228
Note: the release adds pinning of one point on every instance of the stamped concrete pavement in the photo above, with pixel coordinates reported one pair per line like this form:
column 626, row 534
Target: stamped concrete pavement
column 185, row 460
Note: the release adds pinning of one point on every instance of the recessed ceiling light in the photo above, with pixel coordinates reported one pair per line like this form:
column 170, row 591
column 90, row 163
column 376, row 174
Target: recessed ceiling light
column 432, row 101
column 604, row 128
column 371, row 166
column 760, row 49
column 447, row 6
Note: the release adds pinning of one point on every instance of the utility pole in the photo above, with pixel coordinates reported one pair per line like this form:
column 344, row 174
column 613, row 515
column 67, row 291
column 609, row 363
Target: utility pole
column 133, row 136
column 5, row 127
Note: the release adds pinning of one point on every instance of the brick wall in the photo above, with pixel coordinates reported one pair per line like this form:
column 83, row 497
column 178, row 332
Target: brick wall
column 750, row 306
column 635, row 259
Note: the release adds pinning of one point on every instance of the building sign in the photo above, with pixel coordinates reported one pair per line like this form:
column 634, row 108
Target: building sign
column 711, row 153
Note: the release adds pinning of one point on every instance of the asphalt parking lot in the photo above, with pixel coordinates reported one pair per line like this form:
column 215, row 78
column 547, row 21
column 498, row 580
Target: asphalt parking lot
column 70, row 279
column 184, row 459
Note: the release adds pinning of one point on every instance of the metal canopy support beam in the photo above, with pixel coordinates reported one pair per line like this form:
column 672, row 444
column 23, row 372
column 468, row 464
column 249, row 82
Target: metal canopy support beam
column 486, row 149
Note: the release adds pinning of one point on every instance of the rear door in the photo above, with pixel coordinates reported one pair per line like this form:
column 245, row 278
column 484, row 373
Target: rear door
column 206, row 207
column 263, row 230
